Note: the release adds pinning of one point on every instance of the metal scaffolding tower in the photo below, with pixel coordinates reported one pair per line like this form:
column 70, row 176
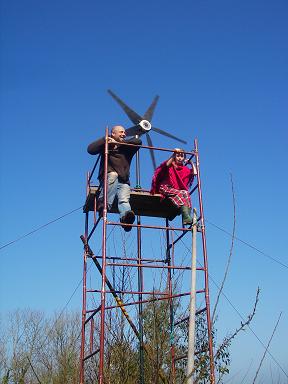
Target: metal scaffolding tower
column 131, row 299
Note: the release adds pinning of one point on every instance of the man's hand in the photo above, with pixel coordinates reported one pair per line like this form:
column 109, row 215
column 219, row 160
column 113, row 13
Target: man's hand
column 111, row 140
column 174, row 164
column 112, row 143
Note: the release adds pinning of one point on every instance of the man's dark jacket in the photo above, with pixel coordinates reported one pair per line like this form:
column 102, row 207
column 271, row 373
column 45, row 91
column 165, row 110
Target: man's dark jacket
column 119, row 157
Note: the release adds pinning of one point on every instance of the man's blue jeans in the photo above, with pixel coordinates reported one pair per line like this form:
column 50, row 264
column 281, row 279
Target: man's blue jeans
column 116, row 188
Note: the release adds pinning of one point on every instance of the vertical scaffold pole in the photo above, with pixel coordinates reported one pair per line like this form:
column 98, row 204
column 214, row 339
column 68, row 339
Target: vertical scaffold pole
column 192, row 309
column 140, row 280
column 171, row 309
column 205, row 258
column 82, row 351
column 103, row 282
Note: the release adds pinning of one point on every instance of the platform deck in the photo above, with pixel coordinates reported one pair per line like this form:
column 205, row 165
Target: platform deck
column 142, row 203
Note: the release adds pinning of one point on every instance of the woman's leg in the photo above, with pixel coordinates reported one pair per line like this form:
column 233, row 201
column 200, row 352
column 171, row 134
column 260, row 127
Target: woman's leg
column 176, row 196
column 181, row 199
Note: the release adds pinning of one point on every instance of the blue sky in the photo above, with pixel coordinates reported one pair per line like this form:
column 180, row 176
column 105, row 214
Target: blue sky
column 220, row 69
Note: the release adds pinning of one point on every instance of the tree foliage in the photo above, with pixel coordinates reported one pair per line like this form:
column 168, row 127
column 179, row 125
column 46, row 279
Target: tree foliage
column 35, row 349
column 40, row 350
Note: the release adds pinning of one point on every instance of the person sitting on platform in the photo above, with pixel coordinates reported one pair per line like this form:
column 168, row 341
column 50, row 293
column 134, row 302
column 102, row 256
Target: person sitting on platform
column 119, row 160
column 172, row 180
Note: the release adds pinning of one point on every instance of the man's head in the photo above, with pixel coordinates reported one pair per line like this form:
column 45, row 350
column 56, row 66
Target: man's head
column 118, row 133
column 179, row 156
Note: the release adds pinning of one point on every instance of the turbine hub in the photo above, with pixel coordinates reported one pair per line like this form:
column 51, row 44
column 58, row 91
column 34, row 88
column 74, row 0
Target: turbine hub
column 145, row 125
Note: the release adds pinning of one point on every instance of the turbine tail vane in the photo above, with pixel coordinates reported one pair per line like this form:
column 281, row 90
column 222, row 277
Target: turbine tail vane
column 133, row 131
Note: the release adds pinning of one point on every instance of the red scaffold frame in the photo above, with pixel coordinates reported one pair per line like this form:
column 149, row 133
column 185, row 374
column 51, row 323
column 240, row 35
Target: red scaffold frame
column 139, row 263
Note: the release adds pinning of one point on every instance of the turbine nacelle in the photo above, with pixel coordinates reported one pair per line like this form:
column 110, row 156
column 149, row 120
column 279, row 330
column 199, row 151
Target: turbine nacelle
column 145, row 125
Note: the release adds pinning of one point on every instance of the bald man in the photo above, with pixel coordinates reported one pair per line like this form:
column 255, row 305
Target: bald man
column 119, row 160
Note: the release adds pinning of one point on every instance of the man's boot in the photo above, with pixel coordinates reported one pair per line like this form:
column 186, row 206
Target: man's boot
column 128, row 218
column 186, row 218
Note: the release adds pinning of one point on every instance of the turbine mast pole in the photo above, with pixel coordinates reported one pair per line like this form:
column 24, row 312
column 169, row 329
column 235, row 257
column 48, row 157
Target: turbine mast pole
column 192, row 309
column 140, row 278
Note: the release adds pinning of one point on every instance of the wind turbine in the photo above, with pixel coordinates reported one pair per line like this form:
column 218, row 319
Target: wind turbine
column 142, row 124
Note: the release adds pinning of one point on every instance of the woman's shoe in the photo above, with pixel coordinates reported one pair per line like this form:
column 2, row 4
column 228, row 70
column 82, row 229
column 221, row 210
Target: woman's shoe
column 186, row 218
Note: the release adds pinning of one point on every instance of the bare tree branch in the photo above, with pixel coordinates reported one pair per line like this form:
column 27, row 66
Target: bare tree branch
column 34, row 371
column 230, row 253
column 266, row 349
column 227, row 340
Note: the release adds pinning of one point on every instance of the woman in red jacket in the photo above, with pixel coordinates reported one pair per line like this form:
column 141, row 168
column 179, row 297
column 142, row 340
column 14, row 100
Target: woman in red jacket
column 173, row 179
